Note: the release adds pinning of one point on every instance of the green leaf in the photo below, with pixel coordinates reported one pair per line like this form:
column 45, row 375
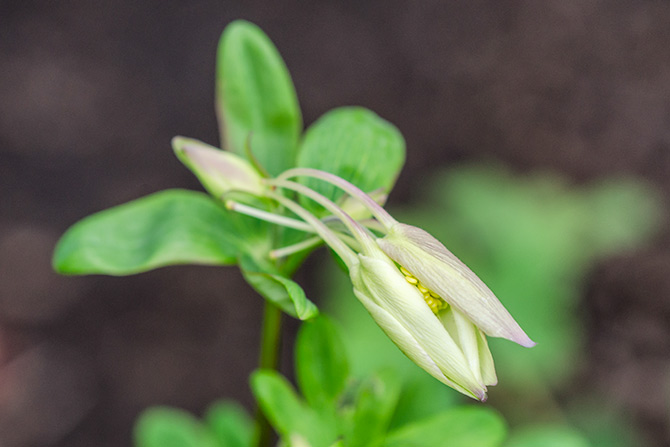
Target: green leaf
column 320, row 362
column 287, row 413
column 355, row 144
column 465, row 426
column 276, row 288
column 170, row 427
column 230, row 424
column 167, row 228
column 256, row 101
column 375, row 402
column 547, row 436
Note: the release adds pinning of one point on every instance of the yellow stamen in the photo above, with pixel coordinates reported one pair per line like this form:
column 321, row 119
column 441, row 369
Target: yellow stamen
column 433, row 300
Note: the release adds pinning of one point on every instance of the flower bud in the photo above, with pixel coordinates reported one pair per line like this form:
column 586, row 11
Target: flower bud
column 219, row 171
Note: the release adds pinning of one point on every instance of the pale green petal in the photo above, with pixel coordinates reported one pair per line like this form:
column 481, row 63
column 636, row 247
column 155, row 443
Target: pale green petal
column 486, row 361
column 442, row 272
column 380, row 281
column 464, row 333
column 402, row 338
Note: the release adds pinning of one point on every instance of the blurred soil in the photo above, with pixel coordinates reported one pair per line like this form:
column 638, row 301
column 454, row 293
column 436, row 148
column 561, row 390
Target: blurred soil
column 91, row 93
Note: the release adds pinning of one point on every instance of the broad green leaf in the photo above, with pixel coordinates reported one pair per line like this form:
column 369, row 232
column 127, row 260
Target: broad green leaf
column 287, row 412
column 465, row 426
column 547, row 436
column 374, row 404
column 171, row 427
column 255, row 98
column 230, row 424
column 320, row 362
column 355, row 144
column 276, row 288
column 167, row 228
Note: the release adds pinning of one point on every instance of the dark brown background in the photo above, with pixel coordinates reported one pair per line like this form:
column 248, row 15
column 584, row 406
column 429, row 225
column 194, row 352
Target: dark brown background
column 91, row 93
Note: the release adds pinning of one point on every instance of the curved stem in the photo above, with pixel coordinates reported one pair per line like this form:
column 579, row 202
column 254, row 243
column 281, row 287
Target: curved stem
column 268, row 217
column 356, row 229
column 328, row 235
column 295, row 248
column 378, row 211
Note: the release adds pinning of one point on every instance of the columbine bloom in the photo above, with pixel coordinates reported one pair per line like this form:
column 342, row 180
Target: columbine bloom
column 428, row 302
column 447, row 345
column 445, row 275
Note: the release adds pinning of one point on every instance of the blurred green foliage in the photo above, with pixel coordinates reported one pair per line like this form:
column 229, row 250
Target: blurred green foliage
column 533, row 239
column 225, row 424
column 330, row 408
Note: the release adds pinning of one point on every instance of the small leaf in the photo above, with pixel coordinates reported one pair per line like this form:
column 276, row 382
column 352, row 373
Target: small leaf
column 170, row 427
column 375, row 402
column 167, row 228
column 278, row 289
column 465, row 426
column 320, row 362
column 256, row 101
column 287, row 413
column 355, row 144
column 230, row 424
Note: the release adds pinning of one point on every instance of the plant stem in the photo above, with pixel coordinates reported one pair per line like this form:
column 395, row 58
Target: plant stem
column 270, row 337
column 269, row 359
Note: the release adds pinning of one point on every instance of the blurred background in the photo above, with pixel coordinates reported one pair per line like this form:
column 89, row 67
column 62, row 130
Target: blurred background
column 538, row 138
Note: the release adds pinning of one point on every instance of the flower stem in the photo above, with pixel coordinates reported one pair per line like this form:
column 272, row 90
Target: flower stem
column 354, row 191
column 269, row 359
column 268, row 217
column 328, row 235
column 295, row 248
column 357, row 230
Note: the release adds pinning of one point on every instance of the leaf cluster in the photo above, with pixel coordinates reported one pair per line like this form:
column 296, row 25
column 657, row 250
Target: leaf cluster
column 260, row 120
column 330, row 408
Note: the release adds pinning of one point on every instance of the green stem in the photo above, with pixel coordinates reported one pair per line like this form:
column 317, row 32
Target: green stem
column 269, row 359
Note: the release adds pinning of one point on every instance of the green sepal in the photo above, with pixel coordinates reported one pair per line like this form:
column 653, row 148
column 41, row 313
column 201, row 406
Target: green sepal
column 166, row 228
column 256, row 101
column 355, row 144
